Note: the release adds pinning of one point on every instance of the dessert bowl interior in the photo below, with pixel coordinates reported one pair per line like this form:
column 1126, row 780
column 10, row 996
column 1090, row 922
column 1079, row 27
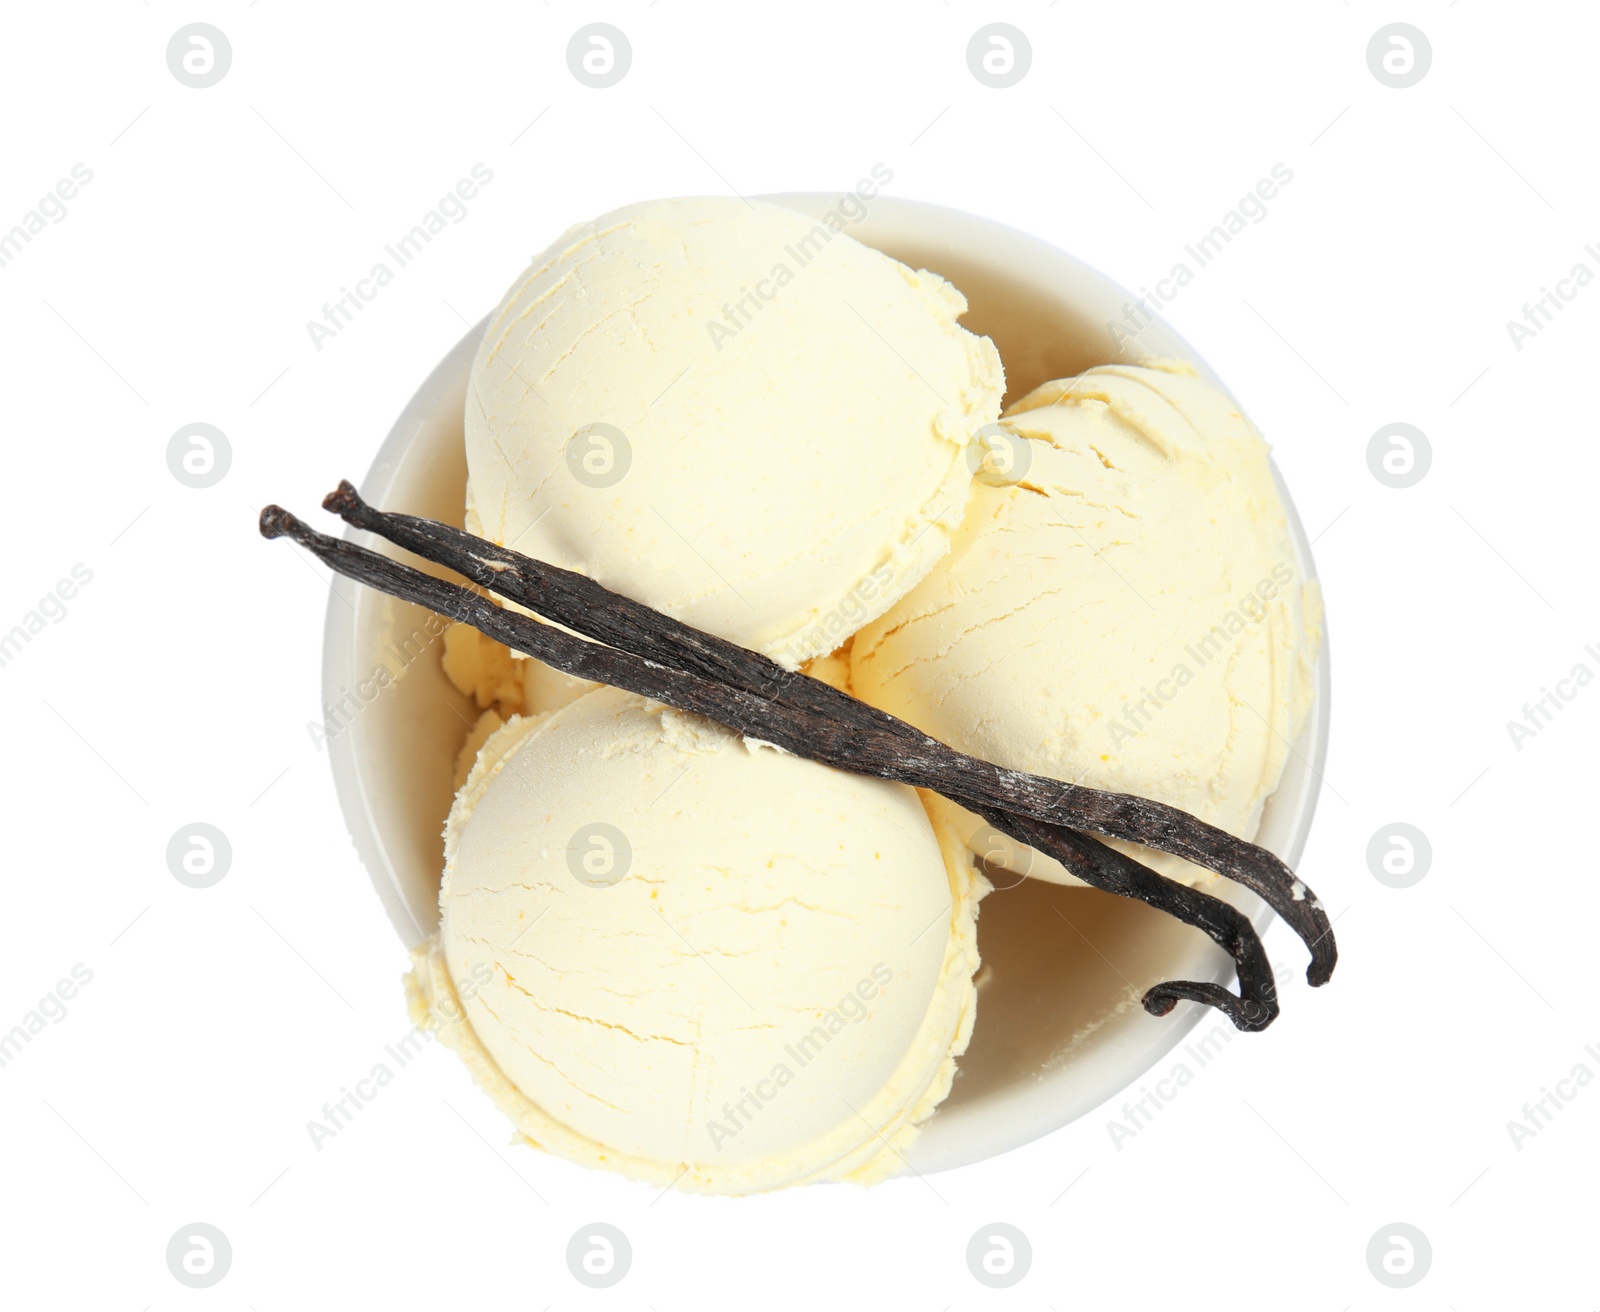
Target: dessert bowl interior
column 1060, row 1028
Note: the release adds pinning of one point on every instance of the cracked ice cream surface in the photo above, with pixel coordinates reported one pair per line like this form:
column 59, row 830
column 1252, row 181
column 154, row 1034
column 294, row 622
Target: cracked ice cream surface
column 795, row 405
column 1127, row 615
column 775, row 992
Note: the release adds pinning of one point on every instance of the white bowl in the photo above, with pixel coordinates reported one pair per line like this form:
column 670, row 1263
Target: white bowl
column 1059, row 1027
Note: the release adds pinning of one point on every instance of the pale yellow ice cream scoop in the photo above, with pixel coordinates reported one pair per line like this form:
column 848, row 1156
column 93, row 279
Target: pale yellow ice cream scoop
column 694, row 958
column 1121, row 608
column 731, row 412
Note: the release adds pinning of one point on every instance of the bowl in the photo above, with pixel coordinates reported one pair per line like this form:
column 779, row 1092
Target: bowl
column 1060, row 1029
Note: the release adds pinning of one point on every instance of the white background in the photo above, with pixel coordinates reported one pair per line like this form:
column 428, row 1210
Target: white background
column 179, row 684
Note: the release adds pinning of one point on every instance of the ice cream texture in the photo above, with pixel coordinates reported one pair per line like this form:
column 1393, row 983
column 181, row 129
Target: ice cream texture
column 675, row 952
column 706, row 961
column 501, row 685
column 490, row 674
column 1121, row 608
column 732, row 412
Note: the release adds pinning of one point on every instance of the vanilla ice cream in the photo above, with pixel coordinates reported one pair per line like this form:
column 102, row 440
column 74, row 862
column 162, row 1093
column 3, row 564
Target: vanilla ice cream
column 729, row 411
column 707, row 961
column 501, row 683
column 496, row 677
column 1121, row 608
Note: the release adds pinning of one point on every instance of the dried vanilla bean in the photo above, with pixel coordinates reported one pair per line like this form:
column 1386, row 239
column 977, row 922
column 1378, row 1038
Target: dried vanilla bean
column 586, row 607
column 787, row 710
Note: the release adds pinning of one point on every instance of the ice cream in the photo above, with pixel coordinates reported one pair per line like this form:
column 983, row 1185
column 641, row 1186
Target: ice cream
column 501, row 684
column 495, row 677
column 695, row 958
column 732, row 412
column 1120, row 608
column 672, row 951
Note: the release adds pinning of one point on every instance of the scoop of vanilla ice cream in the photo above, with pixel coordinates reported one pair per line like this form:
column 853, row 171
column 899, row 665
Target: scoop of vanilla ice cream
column 1121, row 608
column 689, row 954
column 731, row 412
